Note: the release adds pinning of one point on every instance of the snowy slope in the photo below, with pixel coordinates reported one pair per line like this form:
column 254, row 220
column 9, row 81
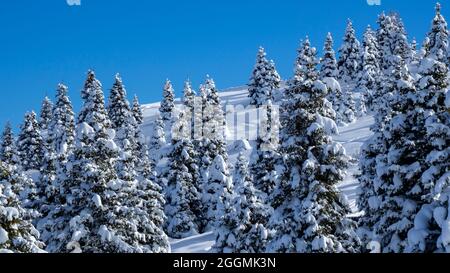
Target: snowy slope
column 351, row 137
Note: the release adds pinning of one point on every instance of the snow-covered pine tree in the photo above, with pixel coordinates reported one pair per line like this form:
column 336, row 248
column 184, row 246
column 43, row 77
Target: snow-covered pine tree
column 183, row 207
column 391, row 165
column 369, row 73
column 438, row 45
column 140, row 216
column 8, row 149
column 157, row 140
column 431, row 226
column 310, row 214
column 30, row 144
column 328, row 63
column 243, row 228
column 167, row 109
column 17, row 234
column 306, row 67
column 189, row 102
column 328, row 74
column 266, row 157
column 348, row 65
column 137, row 111
column 265, row 79
column 218, row 193
column 45, row 118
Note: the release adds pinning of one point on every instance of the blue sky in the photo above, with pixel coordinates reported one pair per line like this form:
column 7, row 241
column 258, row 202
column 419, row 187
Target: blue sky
column 46, row 42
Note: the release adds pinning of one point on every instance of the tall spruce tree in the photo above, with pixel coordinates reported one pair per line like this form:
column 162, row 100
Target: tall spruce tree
column 307, row 196
column 45, row 117
column 137, row 111
column 30, row 144
column 167, row 108
column 437, row 46
column 17, row 233
column 243, row 228
column 8, row 149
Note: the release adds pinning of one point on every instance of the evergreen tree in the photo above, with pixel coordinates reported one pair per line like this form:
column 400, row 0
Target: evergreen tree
column 243, row 227
column 183, row 207
column 348, row 65
column 119, row 110
column 265, row 79
column 17, row 234
column 45, row 117
column 328, row 63
column 218, row 193
column 8, row 150
column 189, row 102
column 310, row 215
column 30, row 144
column 266, row 157
column 167, row 108
column 437, row 45
column 137, row 111
column 369, row 74
column 157, row 141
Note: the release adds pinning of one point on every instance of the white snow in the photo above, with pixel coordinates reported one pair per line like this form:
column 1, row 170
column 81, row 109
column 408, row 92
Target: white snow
column 3, row 236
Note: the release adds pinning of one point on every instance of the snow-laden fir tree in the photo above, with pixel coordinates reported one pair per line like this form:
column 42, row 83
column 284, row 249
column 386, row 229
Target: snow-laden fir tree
column 430, row 232
column 45, row 117
column 8, row 149
column 183, row 207
column 328, row 74
column 167, row 108
column 348, row 65
column 157, row 140
column 218, row 193
column 265, row 158
column 137, row 111
column 306, row 67
column 30, row 144
column 243, row 228
column 17, row 233
column 328, row 63
column 140, row 217
column 189, row 102
column 310, row 213
column 368, row 77
column 437, row 44
column 265, row 79
column 391, row 165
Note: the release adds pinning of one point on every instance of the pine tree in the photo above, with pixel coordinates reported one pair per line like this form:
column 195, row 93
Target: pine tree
column 369, row 74
column 137, row 111
column 437, row 46
column 157, row 141
column 62, row 127
column 30, row 144
column 266, row 157
column 348, row 65
column 218, row 193
column 243, row 226
column 328, row 63
column 45, row 117
column 17, row 234
column 265, row 79
column 183, row 207
column 189, row 102
column 8, row 150
column 307, row 196
column 119, row 110
column 167, row 108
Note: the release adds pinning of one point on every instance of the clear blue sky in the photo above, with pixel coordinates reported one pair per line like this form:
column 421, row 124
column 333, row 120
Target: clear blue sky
column 45, row 42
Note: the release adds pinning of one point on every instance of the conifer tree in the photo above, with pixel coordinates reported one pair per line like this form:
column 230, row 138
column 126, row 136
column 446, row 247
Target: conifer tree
column 183, row 207
column 30, row 144
column 265, row 79
column 8, row 150
column 167, row 108
column 369, row 74
column 45, row 116
column 17, row 234
column 328, row 63
column 437, row 45
column 137, row 111
column 243, row 227
column 307, row 196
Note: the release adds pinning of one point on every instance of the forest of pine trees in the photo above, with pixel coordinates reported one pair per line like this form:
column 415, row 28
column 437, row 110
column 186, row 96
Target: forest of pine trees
column 92, row 182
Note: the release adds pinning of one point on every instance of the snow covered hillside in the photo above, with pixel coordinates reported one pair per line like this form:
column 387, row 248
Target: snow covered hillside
column 351, row 137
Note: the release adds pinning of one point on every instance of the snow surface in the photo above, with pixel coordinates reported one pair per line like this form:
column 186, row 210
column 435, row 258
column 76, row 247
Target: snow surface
column 351, row 137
